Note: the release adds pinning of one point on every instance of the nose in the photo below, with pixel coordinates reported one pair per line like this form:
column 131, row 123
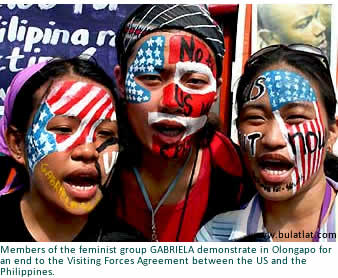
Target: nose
column 86, row 152
column 318, row 27
column 170, row 101
column 273, row 137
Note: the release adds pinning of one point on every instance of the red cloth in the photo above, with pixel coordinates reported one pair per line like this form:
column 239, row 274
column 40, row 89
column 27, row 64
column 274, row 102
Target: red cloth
column 136, row 213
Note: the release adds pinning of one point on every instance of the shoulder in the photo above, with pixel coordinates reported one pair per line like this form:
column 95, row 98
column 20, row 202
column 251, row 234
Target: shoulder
column 225, row 154
column 219, row 228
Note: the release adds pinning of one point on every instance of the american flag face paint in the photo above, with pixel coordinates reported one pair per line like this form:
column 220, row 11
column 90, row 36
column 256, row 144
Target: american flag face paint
column 305, row 139
column 149, row 60
column 90, row 104
column 184, row 71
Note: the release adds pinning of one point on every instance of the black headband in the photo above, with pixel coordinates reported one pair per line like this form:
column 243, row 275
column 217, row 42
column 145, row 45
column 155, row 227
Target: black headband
column 194, row 19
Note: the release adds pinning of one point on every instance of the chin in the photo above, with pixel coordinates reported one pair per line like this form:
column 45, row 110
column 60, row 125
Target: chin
column 81, row 208
column 275, row 196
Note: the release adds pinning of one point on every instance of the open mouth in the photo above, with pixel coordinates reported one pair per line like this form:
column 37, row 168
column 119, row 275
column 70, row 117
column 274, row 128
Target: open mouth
column 275, row 168
column 169, row 131
column 81, row 184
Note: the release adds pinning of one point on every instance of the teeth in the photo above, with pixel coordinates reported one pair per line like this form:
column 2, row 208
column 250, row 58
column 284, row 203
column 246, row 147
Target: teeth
column 276, row 172
column 83, row 188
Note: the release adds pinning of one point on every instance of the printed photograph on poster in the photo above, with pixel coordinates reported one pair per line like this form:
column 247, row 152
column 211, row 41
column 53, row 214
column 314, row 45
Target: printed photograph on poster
column 287, row 24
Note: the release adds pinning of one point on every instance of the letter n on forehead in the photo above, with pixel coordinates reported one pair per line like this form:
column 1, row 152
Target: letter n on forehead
column 286, row 87
column 189, row 48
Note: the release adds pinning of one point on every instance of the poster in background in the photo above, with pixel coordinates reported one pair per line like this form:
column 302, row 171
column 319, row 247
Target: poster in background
column 295, row 23
column 31, row 33
column 242, row 53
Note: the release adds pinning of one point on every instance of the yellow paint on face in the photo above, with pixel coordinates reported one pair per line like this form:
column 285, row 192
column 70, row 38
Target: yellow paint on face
column 62, row 194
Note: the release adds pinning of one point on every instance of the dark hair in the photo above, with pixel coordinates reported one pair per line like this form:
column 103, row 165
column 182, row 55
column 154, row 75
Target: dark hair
column 331, row 166
column 23, row 105
column 306, row 63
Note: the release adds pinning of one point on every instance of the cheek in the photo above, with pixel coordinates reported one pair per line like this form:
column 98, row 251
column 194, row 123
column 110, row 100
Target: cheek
column 248, row 142
column 107, row 161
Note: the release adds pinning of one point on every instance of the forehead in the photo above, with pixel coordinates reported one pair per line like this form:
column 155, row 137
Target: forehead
column 291, row 12
column 282, row 87
column 167, row 35
column 46, row 88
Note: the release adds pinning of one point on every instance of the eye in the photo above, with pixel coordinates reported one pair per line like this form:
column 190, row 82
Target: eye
column 253, row 119
column 149, row 80
column 105, row 133
column 296, row 119
column 61, row 129
column 195, row 80
column 304, row 23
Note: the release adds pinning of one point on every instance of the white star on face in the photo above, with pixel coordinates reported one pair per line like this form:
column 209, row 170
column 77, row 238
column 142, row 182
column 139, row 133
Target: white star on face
column 133, row 85
column 157, row 52
column 43, row 115
column 159, row 41
column 148, row 52
column 36, row 127
column 150, row 68
column 142, row 60
column 145, row 98
column 150, row 42
column 140, row 92
column 142, row 68
column 140, row 52
column 48, row 147
column 139, row 99
column 150, row 60
column 43, row 138
column 158, row 62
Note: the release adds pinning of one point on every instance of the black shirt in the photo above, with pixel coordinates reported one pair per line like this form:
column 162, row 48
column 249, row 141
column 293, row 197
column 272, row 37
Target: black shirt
column 101, row 225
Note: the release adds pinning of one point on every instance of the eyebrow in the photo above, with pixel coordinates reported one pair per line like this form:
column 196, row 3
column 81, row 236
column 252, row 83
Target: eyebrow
column 298, row 104
column 259, row 106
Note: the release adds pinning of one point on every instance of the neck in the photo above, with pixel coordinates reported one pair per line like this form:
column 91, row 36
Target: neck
column 158, row 172
column 300, row 213
column 49, row 223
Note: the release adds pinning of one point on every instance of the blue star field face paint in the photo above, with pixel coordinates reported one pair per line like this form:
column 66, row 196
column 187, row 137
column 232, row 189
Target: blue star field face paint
column 306, row 140
column 149, row 60
column 88, row 103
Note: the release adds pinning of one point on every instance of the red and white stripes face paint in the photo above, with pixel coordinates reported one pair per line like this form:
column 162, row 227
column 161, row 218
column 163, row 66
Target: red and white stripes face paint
column 191, row 92
column 296, row 109
column 88, row 103
column 306, row 143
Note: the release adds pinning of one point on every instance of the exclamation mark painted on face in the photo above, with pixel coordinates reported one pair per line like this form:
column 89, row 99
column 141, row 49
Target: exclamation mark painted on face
column 169, row 100
column 109, row 165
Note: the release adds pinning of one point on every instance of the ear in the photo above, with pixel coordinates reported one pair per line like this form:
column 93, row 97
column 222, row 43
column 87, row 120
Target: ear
column 16, row 144
column 218, row 90
column 333, row 134
column 268, row 37
column 120, row 81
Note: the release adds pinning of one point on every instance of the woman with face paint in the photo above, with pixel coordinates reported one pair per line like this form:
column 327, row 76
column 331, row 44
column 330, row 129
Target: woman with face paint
column 286, row 121
column 170, row 63
column 59, row 131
